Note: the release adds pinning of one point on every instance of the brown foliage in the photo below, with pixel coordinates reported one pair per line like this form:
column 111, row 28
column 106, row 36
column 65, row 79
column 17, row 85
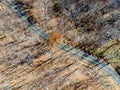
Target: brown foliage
column 53, row 39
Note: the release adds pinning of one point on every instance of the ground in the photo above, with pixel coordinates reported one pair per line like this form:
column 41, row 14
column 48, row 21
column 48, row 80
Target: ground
column 28, row 63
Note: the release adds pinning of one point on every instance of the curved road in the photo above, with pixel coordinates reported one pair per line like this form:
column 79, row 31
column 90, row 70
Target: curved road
column 77, row 53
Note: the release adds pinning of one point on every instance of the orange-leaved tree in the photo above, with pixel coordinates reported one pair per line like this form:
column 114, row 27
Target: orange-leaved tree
column 53, row 39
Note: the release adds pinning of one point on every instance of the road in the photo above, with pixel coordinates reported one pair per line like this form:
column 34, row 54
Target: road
column 77, row 53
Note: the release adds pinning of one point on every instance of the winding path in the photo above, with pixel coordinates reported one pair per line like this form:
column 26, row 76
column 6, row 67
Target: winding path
column 77, row 53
